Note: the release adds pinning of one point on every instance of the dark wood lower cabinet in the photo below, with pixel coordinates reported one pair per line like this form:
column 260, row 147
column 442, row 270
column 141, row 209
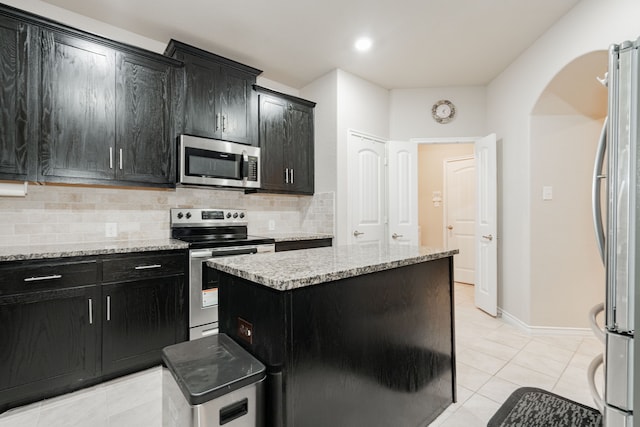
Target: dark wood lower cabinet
column 48, row 341
column 139, row 322
column 371, row 350
column 74, row 322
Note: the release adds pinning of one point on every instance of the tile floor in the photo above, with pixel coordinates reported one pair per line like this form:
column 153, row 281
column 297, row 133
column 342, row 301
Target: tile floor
column 493, row 357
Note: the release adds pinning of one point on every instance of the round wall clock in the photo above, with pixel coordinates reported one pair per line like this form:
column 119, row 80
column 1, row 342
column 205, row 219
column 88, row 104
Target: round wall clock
column 443, row 111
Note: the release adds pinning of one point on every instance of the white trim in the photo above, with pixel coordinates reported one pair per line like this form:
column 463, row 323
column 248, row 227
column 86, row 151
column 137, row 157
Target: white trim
column 367, row 136
column 542, row 330
column 448, row 140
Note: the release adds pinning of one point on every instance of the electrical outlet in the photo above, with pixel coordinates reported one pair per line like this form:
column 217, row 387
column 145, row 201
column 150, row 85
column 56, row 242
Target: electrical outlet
column 245, row 330
column 272, row 225
column 111, row 229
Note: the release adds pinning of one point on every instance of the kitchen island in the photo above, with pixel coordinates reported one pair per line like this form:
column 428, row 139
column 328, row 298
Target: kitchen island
column 351, row 335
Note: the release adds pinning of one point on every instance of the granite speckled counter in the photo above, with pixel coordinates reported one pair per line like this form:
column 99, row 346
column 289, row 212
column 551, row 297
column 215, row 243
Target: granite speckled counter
column 60, row 250
column 296, row 269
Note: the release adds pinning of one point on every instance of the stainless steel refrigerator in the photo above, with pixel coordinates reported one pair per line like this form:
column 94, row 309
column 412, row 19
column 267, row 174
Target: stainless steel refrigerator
column 617, row 170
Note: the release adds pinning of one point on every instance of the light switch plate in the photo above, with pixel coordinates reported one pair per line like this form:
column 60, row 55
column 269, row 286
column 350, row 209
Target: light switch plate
column 547, row 192
column 272, row 225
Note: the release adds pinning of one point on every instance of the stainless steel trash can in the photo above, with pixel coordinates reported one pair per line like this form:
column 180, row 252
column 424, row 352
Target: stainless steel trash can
column 211, row 382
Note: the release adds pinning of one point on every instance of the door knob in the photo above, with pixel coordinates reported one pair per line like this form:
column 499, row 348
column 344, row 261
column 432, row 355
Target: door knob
column 488, row 237
column 395, row 236
column 449, row 227
column 357, row 233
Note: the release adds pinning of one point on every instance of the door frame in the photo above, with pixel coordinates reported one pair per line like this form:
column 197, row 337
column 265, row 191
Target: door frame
column 445, row 199
column 460, row 140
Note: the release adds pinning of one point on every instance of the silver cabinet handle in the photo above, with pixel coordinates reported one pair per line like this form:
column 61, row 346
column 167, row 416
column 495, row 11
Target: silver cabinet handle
column 217, row 121
column 121, row 159
column 357, row 233
column 286, row 175
column 224, row 123
column 108, row 308
column 90, row 311
column 395, row 236
column 488, row 237
column 148, row 267
column 292, row 175
column 40, row 278
column 110, row 157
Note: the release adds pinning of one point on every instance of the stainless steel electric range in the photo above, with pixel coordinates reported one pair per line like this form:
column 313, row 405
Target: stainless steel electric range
column 211, row 233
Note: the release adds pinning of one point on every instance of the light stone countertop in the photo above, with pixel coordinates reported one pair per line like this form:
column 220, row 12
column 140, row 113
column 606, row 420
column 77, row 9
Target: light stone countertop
column 295, row 236
column 59, row 250
column 295, row 269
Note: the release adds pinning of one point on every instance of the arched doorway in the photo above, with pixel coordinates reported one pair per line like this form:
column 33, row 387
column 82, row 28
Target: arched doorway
column 567, row 276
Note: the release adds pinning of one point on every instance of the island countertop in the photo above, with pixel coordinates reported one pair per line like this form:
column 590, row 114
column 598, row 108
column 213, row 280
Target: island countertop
column 296, row 269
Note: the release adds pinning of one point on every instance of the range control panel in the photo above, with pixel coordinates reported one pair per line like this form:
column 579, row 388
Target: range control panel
column 185, row 217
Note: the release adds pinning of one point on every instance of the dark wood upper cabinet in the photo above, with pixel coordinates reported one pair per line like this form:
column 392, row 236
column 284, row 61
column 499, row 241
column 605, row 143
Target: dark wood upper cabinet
column 218, row 100
column 107, row 113
column 78, row 109
column 145, row 97
column 18, row 117
column 286, row 136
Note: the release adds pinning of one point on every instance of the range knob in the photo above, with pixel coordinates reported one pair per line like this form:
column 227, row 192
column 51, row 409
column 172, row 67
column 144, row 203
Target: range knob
column 241, row 214
column 180, row 215
column 188, row 215
column 228, row 214
column 235, row 214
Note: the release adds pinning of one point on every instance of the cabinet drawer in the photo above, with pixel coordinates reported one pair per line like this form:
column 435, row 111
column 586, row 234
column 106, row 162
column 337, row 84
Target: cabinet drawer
column 42, row 275
column 143, row 266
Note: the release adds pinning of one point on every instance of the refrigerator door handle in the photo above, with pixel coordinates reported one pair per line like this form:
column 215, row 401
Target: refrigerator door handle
column 591, row 379
column 593, row 322
column 596, row 202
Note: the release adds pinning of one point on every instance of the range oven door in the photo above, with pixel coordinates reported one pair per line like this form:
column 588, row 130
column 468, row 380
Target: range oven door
column 203, row 287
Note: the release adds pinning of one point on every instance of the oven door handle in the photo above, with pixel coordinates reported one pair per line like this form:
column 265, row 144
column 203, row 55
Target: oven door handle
column 222, row 252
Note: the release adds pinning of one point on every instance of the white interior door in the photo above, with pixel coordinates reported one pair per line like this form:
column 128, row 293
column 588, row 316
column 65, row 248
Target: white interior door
column 367, row 201
column 486, row 280
column 403, row 192
column 460, row 215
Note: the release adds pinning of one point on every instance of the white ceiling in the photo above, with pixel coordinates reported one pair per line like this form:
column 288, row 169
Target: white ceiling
column 417, row 43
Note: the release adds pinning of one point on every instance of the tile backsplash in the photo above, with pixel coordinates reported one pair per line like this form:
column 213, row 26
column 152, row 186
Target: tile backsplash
column 68, row 214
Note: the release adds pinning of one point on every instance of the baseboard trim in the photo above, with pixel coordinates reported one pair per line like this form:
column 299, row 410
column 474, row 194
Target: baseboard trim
column 541, row 330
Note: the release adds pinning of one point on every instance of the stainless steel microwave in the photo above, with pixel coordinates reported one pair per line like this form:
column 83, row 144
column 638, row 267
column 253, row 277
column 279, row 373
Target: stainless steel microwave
column 204, row 161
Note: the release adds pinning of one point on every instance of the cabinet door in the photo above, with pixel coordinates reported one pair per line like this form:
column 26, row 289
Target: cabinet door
column 139, row 321
column 18, row 71
column 144, row 134
column 273, row 133
column 201, row 114
column 299, row 148
column 238, row 106
column 77, row 109
column 48, row 341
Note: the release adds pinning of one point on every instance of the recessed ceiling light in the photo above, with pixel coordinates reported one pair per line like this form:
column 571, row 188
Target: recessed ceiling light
column 363, row 44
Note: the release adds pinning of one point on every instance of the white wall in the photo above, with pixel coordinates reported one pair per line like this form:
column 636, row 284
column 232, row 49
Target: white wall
column 410, row 112
column 511, row 97
column 344, row 102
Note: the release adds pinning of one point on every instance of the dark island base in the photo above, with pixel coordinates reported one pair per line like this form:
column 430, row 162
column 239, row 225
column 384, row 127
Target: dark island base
column 372, row 350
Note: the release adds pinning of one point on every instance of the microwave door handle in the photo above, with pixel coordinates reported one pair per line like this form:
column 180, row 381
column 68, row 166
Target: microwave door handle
column 245, row 165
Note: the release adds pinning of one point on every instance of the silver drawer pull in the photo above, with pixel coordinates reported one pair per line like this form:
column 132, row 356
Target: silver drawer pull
column 40, row 278
column 148, row 267
column 90, row 311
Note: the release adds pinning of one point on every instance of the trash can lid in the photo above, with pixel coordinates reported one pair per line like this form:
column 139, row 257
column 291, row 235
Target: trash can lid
column 210, row 367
